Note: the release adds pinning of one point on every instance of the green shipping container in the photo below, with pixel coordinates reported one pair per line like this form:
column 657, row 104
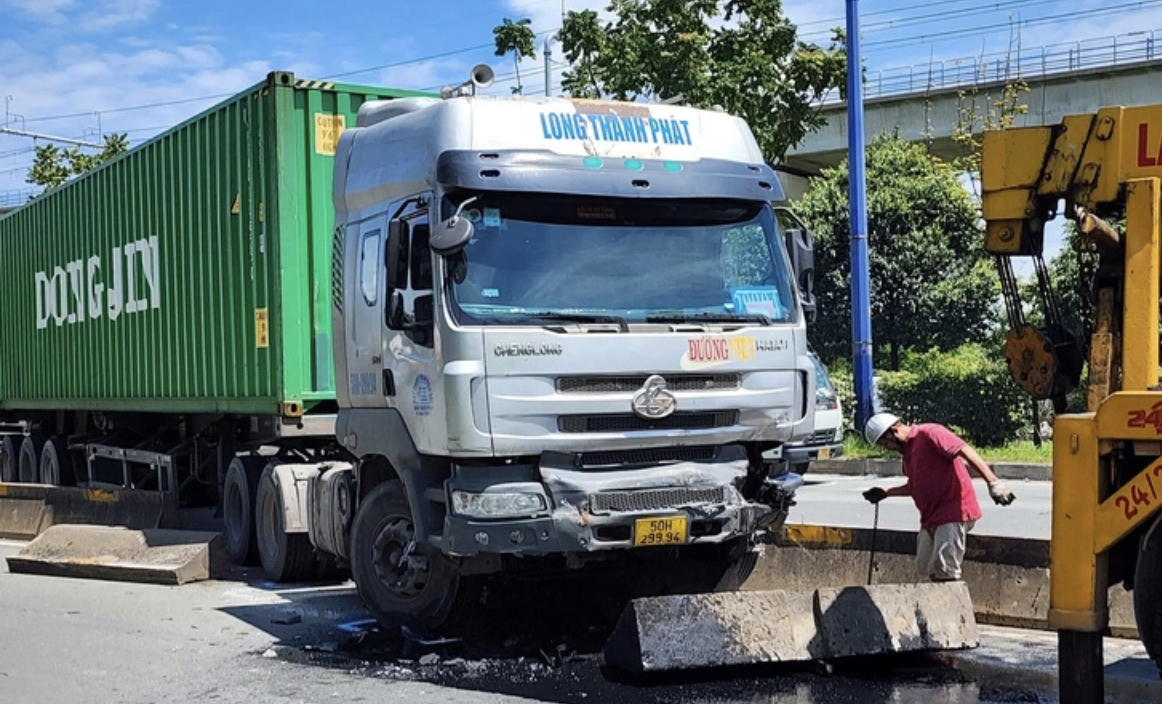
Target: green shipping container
column 192, row 274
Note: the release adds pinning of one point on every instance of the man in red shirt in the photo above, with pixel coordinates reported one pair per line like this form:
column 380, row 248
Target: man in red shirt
column 935, row 462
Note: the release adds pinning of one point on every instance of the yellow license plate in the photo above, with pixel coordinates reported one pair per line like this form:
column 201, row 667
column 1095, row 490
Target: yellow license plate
column 659, row 531
column 824, row 453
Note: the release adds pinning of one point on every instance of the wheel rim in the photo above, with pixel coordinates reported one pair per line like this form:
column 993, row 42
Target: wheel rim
column 404, row 576
column 233, row 509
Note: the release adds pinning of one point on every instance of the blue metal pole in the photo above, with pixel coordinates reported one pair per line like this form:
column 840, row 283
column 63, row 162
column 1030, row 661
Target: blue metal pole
column 860, row 297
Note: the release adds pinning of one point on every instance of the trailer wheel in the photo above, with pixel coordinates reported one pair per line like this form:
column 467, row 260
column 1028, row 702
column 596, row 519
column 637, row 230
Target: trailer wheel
column 9, row 460
column 286, row 557
column 238, row 493
column 1148, row 592
column 402, row 582
column 56, row 465
column 29, row 466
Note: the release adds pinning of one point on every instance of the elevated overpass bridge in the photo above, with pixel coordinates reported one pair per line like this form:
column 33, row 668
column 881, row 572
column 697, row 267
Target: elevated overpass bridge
column 924, row 102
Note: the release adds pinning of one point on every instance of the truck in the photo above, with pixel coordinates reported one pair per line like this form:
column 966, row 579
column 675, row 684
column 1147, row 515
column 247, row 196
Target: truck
column 827, row 440
column 429, row 339
column 1097, row 169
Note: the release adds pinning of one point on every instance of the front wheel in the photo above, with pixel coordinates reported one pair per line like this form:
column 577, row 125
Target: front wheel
column 1148, row 593
column 402, row 582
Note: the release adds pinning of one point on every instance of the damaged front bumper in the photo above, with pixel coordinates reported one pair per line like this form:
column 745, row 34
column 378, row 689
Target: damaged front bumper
column 587, row 510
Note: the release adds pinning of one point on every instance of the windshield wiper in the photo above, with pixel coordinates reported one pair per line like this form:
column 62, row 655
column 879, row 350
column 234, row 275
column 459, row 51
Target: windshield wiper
column 757, row 318
column 617, row 320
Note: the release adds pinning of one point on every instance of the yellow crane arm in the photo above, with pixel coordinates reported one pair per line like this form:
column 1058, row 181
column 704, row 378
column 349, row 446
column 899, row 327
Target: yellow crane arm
column 1086, row 160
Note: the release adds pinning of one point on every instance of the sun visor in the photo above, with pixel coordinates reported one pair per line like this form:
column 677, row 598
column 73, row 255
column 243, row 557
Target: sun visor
column 548, row 172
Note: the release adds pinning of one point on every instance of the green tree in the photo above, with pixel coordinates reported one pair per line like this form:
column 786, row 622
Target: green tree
column 53, row 165
column 742, row 55
column 518, row 38
column 932, row 284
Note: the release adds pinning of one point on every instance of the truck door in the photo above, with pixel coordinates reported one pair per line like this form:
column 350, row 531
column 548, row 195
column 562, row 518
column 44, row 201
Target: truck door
column 365, row 352
column 411, row 367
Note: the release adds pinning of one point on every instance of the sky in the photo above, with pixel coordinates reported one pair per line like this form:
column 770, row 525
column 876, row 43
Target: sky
column 82, row 68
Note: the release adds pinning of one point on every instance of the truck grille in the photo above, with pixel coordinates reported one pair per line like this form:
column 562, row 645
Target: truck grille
column 654, row 499
column 820, row 437
column 622, row 422
column 659, row 456
column 629, row 384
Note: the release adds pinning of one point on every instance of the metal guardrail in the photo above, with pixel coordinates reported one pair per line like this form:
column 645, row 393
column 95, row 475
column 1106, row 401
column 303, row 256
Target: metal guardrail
column 998, row 67
column 16, row 198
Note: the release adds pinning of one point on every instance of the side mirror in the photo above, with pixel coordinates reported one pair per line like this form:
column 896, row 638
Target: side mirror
column 396, row 318
column 802, row 253
column 451, row 236
column 801, row 249
column 395, row 255
column 425, row 316
column 421, row 258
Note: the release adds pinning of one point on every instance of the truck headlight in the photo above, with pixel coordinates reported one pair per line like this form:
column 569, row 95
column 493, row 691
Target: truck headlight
column 497, row 505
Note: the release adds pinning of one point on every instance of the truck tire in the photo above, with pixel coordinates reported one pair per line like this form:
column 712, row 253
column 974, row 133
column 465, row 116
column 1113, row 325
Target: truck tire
column 286, row 557
column 9, row 460
column 1148, row 592
column 29, row 463
column 56, row 464
column 425, row 594
column 238, row 493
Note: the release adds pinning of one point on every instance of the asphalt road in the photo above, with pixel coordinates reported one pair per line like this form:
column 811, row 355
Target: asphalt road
column 247, row 641
column 833, row 500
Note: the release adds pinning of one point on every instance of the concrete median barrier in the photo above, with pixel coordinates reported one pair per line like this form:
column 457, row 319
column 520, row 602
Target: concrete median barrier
column 26, row 510
column 685, row 632
column 1008, row 578
column 153, row 556
column 889, row 467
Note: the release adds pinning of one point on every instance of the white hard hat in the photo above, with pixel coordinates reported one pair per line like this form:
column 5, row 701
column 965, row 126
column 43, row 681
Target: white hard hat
column 877, row 425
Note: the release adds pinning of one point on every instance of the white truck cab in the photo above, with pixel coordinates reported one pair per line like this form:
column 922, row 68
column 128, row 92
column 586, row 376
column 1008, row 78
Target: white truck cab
column 564, row 330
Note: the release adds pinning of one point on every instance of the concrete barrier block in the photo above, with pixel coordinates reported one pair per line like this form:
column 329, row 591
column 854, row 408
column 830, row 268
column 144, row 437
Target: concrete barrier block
column 746, row 628
column 713, row 630
column 895, row 618
column 111, row 507
column 19, row 519
column 28, row 509
column 154, row 556
column 1007, row 577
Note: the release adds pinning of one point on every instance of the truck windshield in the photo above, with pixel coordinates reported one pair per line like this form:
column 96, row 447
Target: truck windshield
column 536, row 257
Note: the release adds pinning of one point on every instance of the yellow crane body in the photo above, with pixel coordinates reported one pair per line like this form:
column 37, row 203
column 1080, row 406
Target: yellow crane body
column 1107, row 461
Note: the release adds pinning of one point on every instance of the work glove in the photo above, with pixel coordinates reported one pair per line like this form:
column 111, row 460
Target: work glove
column 1000, row 493
column 875, row 495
